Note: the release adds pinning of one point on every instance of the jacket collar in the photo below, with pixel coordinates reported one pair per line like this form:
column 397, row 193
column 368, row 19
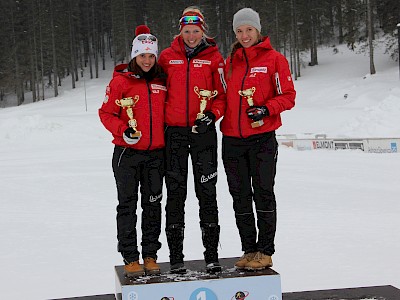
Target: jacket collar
column 179, row 46
column 122, row 70
column 254, row 50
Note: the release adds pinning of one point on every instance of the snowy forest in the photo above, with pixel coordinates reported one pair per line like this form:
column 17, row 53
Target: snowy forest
column 43, row 42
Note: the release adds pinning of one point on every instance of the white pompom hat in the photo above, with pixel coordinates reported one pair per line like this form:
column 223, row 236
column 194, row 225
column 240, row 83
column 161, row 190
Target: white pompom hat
column 144, row 42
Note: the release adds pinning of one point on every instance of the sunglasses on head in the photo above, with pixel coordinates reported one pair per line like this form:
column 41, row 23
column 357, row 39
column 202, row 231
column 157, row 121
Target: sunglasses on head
column 149, row 37
column 187, row 20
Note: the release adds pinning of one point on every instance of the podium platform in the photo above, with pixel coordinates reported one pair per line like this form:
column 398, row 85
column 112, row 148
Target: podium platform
column 196, row 284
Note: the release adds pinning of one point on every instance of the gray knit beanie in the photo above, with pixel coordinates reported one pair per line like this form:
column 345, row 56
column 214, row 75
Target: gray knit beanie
column 246, row 16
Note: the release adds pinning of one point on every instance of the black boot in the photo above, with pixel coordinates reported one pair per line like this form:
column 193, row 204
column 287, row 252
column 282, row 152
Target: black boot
column 175, row 235
column 210, row 236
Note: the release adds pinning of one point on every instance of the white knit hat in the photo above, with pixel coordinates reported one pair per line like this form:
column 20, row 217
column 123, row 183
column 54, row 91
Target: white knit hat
column 144, row 42
column 246, row 16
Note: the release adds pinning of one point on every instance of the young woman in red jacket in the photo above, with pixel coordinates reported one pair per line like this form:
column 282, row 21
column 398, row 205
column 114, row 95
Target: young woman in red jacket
column 133, row 111
column 259, row 88
column 196, row 99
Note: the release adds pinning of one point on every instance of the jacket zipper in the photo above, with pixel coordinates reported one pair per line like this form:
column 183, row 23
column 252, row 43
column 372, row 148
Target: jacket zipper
column 151, row 115
column 187, row 92
column 241, row 98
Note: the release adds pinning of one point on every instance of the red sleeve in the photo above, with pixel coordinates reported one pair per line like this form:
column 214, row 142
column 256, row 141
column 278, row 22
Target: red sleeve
column 109, row 112
column 284, row 89
column 219, row 83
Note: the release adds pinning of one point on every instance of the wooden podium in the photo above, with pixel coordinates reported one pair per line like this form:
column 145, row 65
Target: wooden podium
column 196, row 284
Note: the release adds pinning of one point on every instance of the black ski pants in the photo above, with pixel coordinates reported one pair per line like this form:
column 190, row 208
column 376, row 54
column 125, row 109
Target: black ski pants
column 180, row 143
column 132, row 167
column 250, row 166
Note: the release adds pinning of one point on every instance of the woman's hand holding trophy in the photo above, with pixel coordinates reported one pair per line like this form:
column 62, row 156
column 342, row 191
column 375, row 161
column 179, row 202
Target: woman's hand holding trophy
column 256, row 113
column 205, row 95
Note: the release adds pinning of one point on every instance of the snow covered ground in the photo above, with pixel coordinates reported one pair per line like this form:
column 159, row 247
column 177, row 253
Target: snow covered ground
column 338, row 211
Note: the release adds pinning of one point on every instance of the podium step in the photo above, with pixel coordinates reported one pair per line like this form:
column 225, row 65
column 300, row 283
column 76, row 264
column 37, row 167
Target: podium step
column 196, row 284
column 195, row 271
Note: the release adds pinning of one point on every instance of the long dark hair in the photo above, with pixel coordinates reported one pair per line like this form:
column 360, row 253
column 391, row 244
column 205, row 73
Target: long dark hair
column 155, row 72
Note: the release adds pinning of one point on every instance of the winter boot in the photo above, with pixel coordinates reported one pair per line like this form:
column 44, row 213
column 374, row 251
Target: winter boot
column 214, row 267
column 151, row 267
column 242, row 262
column 260, row 261
column 133, row 269
column 175, row 235
column 178, row 268
column 210, row 236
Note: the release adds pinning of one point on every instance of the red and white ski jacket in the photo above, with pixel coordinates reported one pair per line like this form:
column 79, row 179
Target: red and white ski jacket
column 205, row 70
column 148, row 111
column 265, row 69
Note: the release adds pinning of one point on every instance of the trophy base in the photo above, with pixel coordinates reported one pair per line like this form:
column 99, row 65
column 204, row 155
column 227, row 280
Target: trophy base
column 257, row 124
column 136, row 135
column 133, row 138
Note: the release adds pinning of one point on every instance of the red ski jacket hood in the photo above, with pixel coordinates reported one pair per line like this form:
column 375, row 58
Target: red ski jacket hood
column 267, row 71
column 148, row 111
column 204, row 71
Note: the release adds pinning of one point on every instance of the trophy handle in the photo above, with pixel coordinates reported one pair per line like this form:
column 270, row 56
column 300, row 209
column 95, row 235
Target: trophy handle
column 196, row 90
column 136, row 99
column 214, row 93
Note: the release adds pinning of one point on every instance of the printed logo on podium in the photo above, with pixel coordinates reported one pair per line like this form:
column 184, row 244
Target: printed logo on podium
column 203, row 294
column 133, row 296
column 240, row 295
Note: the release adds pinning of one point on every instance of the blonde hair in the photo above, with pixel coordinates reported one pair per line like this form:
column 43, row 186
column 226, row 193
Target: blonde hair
column 194, row 9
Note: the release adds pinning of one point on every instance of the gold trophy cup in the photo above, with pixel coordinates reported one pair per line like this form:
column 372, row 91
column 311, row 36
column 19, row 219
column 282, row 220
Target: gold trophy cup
column 249, row 95
column 129, row 103
column 205, row 95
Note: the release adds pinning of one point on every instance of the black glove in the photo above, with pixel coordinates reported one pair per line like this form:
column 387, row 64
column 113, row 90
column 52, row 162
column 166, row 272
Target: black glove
column 256, row 113
column 204, row 123
column 128, row 138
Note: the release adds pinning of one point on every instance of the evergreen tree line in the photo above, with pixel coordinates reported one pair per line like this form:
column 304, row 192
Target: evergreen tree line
column 44, row 41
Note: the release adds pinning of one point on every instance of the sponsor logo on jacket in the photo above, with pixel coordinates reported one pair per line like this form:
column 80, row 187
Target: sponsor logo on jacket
column 157, row 87
column 108, row 90
column 259, row 70
column 198, row 63
column 202, row 61
column 176, row 62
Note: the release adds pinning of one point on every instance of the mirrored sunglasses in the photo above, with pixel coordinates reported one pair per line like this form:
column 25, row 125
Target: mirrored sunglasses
column 187, row 20
column 147, row 38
